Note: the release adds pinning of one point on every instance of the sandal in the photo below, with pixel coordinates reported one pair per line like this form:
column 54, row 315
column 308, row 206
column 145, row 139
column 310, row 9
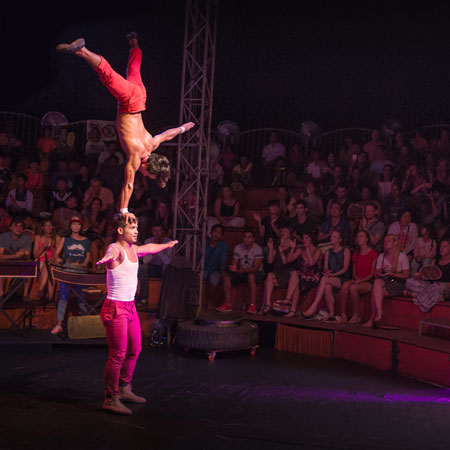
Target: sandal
column 265, row 310
column 282, row 302
column 290, row 314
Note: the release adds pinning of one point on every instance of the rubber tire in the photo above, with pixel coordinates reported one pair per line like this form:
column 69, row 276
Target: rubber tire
column 200, row 337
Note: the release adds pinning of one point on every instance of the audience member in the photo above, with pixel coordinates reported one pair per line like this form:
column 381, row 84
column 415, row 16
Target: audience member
column 82, row 181
column 73, row 253
column 364, row 260
column 334, row 223
column 94, row 227
column 97, row 190
column 406, row 232
column 372, row 224
column 425, row 249
column 215, row 260
column 301, row 223
column 226, row 211
column 5, row 177
column 60, row 194
column 427, row 293
column 270, row 154
column 394, row 204
column 44, row 249
column 245, row 266
column 153, row 265
column 19, row 199
column 307, row 260
column 65, row 144
column 370, row 147
column 61, row 216
column 46, row 144
column 335, row 273
column 391, row 272
column 14, row 245
column 141, row 206
column 279, row 265
column 269, row 227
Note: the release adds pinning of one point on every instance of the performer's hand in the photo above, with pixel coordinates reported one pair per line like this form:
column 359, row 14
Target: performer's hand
column 129, row 217
column 187, row 126
column 172, row 244
column 112, row 254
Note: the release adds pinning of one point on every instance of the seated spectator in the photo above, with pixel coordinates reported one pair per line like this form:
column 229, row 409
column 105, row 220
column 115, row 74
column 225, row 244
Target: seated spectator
column 82, row 181
column 384, row 185
column 394, row 204
column 5, row 219
column 62, row 171
column 46, row 144
column 340, row 196
column 314, row 202
column 364, row 260
column 31, row 226
column 61, row 217
column 367, row 196
column 334, row 223
column 270, row 154
column 315, row 166
column 307, row 263
column 371, row 223
column 216, row 254
column 415, row 185
column 226, row 211
column 333, row 181
column 141, row 206
column 60, row 194
column 153, row 265
column 94, row 146
column 111, row 150
column 349, row 152
column 65, row 145
column 19, row 199
column 435, row 210
column 425, row 248
column 108, row 175
column 96, row 189
column 245, row 267
column 427, row 293
column 228, row 159
column 279, row 265
column 5, row 178
column 441, row 174
column 335, row 273
column 163, row 216
column 94, row 227
column 403, row 161
column 441, row 146
column 355, row 184
column 377, row 164
column 14, row 245
column 74, row 251
column 419, row 143
column 13, row 145
column 302, row 222
column 363, row 164
column 216, row 179
column 35, row 179
column 287, row 204
column 406, row 233
column 44, row 247
column 269, row 227
column 279, row 172
column 391, row 272
column 370, row 147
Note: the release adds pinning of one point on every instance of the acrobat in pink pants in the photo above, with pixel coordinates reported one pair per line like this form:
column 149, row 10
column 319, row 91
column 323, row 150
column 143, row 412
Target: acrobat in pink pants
column 123, row 334
column 130, row 92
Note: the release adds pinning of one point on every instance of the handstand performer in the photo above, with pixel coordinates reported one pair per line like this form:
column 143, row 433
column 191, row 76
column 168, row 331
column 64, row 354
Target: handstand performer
column 118, row 313
column 131, row 95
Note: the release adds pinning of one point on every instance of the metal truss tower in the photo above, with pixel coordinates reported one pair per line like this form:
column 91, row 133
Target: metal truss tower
column 192, row 172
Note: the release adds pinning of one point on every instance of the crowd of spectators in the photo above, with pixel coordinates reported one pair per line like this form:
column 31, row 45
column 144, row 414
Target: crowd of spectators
column 362, row 220
column 54, row 187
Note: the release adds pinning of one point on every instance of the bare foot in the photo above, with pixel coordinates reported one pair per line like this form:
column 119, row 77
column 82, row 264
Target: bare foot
column 342, row 318
column 354, row 319
column 368, row 324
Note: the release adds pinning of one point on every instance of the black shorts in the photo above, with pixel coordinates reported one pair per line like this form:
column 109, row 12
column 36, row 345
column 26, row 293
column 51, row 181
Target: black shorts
column 238, row 278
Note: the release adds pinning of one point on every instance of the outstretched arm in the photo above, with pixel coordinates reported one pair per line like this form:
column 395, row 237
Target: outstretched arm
column 112, row 254
column 170, row 134
column 151, row 248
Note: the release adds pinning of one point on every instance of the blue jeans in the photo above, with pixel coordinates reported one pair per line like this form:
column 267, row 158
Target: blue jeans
column 64, row 291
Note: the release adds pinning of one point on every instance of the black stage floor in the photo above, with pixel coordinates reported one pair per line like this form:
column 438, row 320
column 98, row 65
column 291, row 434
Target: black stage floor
column 51, row 398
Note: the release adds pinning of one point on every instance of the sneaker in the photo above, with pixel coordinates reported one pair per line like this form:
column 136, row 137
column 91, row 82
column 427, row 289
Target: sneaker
column 224, row 307
column 57, row 329
column 251, row 309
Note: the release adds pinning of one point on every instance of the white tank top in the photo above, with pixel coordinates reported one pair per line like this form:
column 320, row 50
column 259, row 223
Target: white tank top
column 122, row 281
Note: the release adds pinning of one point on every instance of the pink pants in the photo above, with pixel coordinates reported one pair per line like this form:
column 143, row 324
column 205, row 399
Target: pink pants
column 130, row 92
column 123, row 334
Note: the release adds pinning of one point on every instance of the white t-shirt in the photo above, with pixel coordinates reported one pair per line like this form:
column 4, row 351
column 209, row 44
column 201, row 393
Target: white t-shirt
column 272, row 152
column 247, row 257
column 402, row 264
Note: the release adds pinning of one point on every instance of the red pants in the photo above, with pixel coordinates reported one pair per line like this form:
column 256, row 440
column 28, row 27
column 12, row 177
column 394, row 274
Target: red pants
column 130, row 92
column 123, row 334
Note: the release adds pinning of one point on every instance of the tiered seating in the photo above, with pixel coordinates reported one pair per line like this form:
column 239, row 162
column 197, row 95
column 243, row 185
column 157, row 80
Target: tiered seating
column 400, row 350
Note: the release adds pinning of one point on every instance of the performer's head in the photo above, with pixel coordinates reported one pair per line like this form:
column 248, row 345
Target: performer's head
column 126, row 227
column 160, row 166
